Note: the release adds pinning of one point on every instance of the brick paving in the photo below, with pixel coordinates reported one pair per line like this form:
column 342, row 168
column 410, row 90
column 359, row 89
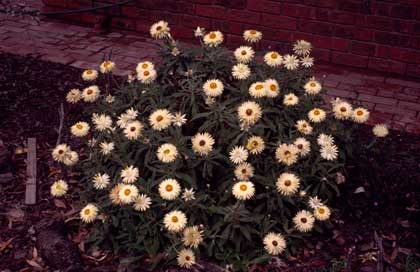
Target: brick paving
column 394, row 101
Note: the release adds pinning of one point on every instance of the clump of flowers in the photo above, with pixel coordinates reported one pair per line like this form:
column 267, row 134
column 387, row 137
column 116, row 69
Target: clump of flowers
column 210, row 153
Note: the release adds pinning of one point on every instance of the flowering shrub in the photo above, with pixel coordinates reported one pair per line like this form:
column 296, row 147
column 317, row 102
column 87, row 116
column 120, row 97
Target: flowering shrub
column 210, row 154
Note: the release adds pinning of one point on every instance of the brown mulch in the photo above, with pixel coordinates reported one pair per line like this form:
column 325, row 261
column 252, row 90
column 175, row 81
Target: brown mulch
column 378, row 225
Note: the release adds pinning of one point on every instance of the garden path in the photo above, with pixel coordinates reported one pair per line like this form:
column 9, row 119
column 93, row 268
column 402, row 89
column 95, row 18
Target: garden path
column 394, row 101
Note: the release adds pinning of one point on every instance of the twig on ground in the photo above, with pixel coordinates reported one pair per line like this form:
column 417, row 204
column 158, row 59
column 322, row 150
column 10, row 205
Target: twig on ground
column 60, row 127
column 380, row 258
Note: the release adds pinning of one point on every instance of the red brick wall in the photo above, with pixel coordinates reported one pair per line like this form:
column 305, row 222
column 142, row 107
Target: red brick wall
column 381, row 35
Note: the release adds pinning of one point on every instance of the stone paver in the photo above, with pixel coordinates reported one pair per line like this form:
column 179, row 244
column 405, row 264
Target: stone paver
column 394, row 101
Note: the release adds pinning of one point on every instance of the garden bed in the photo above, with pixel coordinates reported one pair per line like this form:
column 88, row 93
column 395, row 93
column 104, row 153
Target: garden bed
column 387, row 203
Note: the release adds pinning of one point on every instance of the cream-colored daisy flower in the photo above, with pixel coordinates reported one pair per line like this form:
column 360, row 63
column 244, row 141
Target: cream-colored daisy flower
column 186, row 258
column 59, row 188
column 303, row 145
column 290, row 99
column 255, row 145
column 192, row 237
column 133, row 130
column 274, row 243
column 241, row 71
column 89, row 75
column 288, row 184
column 244, row 171
column 244, row 54
column 128, row 193
column 304, row 221
column 312, row 87
column 188, row 194
column 159, row 30
column 106, row 147
column 80, row 129
column 272, row 88
column 291, row 62
column 169, row 189
column 249, row 112
column 107, row 66
column 243, row 190
column 130, row 174
column 317, row 115
column 91, row 93
column 329, row 152
column 273, row 59
column 304, row 127
column 307, row 61
column 287, row 154
column 60, row 152
column 199, row 32
column 175, row 221
column 101, row 121
column 213, row 38
column 142, row 203
column 342, row 110
column 160, row 119
column 101, row 181
column 252, row 35
column 238, row 155
column 202, row 143
column 322, row 213
column 114, row 194
column 167, row 153
column 325, row 139
column 73, row 96
column 314, row 202
column 89, row 213
column 302, row 48
column 179, row 119
column 380, row 130
column 71, row 158
column 257, row 90
column 213, row 87
column 147, row 76
column 144, row 66
column 360, row 115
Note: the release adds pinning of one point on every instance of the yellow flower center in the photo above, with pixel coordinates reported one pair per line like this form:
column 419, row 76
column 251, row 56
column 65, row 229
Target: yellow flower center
column 146, row 73
column 89, row 72
column 159, row 118
column 107, row 63
column 89, row 91
column 212, row 35
column 343, row 109
column 273, row 87
column 243, row 53
column 127, row 192
column 144, row 65
column 248, row 111
column 174, row 219
column 312, row 84
column 243, row 171
column 60, row 151
column 169, row 188
column 321, row 210
column 213, row 85
column 159, row 28
column 359, row 112
column 287, row 153
column 202, row 143
column 259, row 87
column 187, row 258
column 87, row 211
column 287, row 183
column 253, row 31
column 167, row 151
column 316, row 112
column 254, row 143
column 243, row 187
column 304, row 125
column 274, row 55
column 79, row 126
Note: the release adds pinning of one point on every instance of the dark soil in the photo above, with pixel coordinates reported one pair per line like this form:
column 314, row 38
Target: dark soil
column 375, row 229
